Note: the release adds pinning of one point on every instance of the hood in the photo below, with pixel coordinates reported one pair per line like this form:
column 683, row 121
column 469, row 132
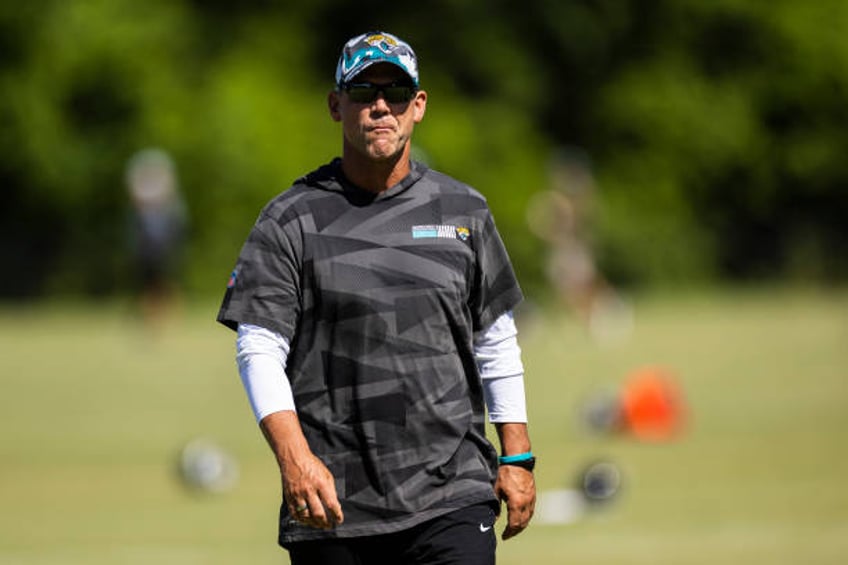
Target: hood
column 331, row 178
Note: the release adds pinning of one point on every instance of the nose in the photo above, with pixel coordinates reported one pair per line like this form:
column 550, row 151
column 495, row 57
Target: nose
column 379, row 104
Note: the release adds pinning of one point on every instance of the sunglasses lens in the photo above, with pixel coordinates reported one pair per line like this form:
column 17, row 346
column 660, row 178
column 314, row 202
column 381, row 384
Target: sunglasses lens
column 397, row 94
column 367, row 93
column 362, row 94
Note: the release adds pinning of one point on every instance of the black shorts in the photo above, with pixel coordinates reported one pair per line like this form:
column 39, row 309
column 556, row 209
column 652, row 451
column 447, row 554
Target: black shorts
column 463, row 537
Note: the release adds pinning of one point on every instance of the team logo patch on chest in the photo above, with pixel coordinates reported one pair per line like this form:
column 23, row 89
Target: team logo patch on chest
column 440, row 232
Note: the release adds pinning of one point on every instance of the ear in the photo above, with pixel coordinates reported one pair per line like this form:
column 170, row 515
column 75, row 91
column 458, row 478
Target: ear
column 333, row 102
column 419, row 106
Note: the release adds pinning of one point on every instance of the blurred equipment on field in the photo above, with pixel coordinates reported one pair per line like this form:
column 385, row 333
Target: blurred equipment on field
column 648, row 406
column 652, row 405
column 600, row 482
column 559, row 506
column 562, row 217
column 600, row 412
column 596, row 486
column 206, row 467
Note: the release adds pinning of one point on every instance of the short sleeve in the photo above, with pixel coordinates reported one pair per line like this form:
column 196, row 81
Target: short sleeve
column 496, row 289
column 264, row 287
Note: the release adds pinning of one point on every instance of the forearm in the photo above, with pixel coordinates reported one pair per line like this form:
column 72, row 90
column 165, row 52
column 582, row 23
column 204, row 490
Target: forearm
column 514, row 437
column 309, row 488
column 284, row 435
column 515, row 485
column 262, row 356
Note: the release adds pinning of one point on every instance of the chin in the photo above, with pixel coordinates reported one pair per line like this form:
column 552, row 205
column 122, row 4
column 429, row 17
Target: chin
column 380, row 155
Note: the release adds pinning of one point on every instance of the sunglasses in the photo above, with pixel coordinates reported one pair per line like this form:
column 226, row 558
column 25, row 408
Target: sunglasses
column 366, row 92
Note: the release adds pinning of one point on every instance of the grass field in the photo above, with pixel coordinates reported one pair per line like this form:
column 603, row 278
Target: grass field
column 95, row 410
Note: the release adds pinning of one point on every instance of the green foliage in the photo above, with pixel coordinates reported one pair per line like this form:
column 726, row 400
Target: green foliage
column 716, row 130
column 94, row 82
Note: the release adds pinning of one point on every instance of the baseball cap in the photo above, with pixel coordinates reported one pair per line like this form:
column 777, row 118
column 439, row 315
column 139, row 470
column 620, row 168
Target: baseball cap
column 375, row 47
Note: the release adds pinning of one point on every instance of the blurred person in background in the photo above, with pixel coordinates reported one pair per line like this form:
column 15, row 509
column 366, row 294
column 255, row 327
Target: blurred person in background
column 157, row 230
column 562, row 216
column 373, row 303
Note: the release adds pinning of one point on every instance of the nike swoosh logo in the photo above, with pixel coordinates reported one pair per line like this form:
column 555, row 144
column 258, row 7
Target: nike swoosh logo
column 485, row 529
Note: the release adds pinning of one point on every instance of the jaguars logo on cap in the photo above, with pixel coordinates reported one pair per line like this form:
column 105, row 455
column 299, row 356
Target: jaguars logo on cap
column 375, row 47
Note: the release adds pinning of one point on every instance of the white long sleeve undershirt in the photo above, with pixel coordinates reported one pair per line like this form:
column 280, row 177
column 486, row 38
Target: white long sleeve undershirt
column 261, row 355
column 498, row 359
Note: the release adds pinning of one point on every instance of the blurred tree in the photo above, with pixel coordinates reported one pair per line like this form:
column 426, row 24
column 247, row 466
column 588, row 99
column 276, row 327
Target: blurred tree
column 715, row 129
column 95, row 78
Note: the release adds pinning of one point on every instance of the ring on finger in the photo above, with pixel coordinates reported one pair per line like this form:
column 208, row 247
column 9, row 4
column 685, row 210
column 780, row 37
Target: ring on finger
column 302, row 508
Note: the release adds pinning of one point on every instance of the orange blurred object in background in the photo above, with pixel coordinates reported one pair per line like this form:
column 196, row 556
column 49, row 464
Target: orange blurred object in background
column 652, row 405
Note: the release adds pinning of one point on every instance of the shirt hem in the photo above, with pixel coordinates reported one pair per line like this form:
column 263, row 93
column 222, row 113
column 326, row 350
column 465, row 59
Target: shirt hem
column 369, row 530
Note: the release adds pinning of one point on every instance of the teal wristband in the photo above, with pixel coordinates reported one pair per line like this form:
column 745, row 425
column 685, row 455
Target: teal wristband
column 526, row 456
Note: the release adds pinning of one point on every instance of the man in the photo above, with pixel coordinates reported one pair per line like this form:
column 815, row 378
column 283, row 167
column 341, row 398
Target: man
column 158, row 227
column 373, row 305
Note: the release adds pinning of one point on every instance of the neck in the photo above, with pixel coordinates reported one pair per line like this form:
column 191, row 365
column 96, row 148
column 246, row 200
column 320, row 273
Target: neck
column 375, row 175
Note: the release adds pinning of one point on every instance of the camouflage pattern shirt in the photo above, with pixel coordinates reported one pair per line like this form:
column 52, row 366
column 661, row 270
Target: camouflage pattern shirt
column 379, row 297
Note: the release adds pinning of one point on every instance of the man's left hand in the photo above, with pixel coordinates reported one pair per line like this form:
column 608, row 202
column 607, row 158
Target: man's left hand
column 516, row 487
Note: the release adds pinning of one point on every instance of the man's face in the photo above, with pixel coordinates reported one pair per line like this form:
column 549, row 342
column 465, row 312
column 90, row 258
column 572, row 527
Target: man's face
column 379, row 130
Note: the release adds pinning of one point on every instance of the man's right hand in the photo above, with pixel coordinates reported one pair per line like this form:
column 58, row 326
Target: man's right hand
column 309, row 487
column 310, row 491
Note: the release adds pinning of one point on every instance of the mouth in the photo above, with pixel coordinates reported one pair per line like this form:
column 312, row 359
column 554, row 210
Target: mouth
column 381, row 129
